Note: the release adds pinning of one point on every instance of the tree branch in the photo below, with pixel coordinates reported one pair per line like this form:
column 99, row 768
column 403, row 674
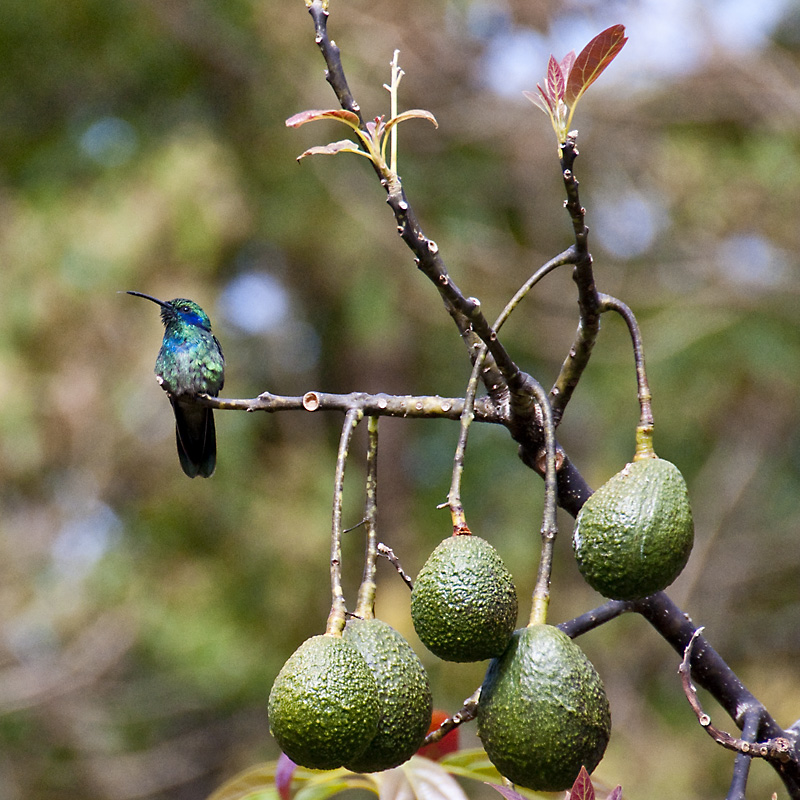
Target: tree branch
column 375, row 405
column 588, row 299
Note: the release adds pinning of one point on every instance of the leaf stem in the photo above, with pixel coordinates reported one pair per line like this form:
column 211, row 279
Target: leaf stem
column 397, row 75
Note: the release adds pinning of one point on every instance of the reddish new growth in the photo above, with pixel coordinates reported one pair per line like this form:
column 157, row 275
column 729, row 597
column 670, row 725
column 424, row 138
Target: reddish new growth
column 567, row 80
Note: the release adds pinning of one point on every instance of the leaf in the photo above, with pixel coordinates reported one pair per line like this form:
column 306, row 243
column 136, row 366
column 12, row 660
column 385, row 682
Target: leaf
column 538, row 100
column 616, row 794
column 593, row 59
column 418, row 779
column 256, row 783
column 348, row 117
column 556, row 81
column 342, row 146
column 582, row 789
column 566, row 64
column 321, row 790
column 506, row 791
column 414, row 113
column 283, row 776
column 471, row 764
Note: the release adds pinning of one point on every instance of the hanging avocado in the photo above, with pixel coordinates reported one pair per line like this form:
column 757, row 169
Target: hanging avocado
column 323, row 707
column 464, row 604
column 404, row 695
column 543, row 711
column 634, row 535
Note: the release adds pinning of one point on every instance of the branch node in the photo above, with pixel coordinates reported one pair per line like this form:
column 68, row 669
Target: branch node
column 311, row 401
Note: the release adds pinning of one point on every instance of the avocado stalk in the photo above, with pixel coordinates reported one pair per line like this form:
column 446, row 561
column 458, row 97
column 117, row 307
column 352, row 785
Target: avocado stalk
column 337, row 616
column 644, row 430
column 541, row 591
column 528, row 387
column 467, row 414
column 365, row 604
column 457, row 514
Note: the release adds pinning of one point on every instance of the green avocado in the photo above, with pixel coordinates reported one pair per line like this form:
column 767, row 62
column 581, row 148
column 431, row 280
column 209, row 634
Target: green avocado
column 323, row 707
column 634, row 535
column 464, row 604
column 543, row 712
column 404, row 695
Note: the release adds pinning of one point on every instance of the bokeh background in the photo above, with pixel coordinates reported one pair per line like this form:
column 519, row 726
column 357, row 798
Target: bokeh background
column 143, row 616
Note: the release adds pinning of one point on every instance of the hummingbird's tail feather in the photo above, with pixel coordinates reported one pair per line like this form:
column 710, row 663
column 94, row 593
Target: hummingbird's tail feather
column 196, row 438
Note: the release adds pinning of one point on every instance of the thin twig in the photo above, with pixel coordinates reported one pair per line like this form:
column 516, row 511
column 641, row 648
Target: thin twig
column 388, row 554
column 466, row 713
column 775, row 749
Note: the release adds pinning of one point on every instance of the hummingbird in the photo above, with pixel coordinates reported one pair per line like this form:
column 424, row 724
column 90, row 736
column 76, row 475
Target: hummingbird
column 190, row 362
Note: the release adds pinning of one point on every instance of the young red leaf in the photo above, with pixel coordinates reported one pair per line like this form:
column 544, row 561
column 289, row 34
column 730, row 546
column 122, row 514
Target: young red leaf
column 593, row 59
column 541, row 100
column 566, row 64
column 506, row 791
column 616, row 794
column 582, row 789
column 556, row 80
column 283, row 776
column 343, row 146
column 309, row 116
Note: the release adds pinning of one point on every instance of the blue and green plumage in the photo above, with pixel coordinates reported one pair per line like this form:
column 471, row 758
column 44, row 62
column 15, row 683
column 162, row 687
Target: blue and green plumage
column 190, row 362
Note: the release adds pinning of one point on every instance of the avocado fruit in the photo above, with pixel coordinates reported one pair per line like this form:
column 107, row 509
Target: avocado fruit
column 543, row 711
column 404, row 695
column 323, row 707
column 633, row 536
column 464, row 604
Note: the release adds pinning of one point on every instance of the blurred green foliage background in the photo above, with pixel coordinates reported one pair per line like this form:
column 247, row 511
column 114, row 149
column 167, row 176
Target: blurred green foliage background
column 143, row 616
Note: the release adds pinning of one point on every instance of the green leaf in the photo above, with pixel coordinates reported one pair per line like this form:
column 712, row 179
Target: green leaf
column 256, row 783
column 323, row 789
column 466, row 758
column 593, row 59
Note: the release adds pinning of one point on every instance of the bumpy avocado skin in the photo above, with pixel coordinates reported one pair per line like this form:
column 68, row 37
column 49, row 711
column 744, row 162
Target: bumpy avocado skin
column 543, row 711
column 323, row 707
column 464, row 604
column 634, row 535
column 404, row 695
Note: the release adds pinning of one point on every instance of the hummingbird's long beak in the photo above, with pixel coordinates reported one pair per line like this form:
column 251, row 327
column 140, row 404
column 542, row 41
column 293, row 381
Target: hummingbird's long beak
column 149, row 297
